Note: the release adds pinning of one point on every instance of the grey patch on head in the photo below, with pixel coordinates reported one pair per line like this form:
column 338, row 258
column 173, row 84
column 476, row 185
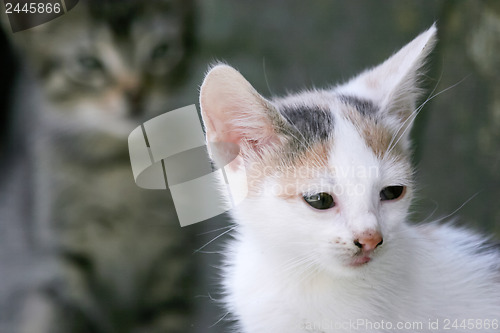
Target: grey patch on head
column 311, row 122
column 364, row 106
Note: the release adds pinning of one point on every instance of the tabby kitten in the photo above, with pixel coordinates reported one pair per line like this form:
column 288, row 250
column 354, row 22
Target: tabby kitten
column 322, row 241
column 111, row 257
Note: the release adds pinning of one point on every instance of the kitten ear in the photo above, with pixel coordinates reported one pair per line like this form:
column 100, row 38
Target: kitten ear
column 233, row 111
column 393, row 85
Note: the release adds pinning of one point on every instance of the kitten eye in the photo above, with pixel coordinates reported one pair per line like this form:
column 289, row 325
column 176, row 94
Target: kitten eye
column 320, row 200
column 90, row 63
column 391, row 192
column 160, row 51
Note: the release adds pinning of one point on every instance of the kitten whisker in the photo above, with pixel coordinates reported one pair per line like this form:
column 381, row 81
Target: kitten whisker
column 220, row 319
column 432, row 213
column 311, row 270
column 459, row 208
column 304, row 143
column 214, row 230
column 440, row 219
column 418, row 108
column 211, row 252
column 265, row 75
column 415, row 113
column 295, row 261
column 410, row 118
column 215, row 238
column 302, row 266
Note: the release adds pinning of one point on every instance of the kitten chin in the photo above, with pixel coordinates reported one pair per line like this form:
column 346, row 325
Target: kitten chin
column 323, row 236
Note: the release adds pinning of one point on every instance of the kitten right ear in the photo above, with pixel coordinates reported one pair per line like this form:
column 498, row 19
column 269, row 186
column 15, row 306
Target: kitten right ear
column 394, row 84
column 234, row 112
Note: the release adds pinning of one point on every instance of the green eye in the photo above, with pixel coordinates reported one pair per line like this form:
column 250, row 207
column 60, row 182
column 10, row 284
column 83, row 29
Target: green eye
column 90, row 63
column 160, row 51
column 320, row 200
column 391, row 193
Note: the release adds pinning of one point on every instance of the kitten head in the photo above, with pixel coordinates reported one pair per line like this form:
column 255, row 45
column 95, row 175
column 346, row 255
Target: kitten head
column 328, row 171
column 107, row 65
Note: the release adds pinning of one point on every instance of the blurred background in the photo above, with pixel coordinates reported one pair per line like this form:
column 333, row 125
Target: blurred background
column 82, row 249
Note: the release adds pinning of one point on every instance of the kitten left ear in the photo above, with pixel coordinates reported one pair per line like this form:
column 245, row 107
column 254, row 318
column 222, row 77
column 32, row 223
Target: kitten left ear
column 234, row 112
column 393, row 85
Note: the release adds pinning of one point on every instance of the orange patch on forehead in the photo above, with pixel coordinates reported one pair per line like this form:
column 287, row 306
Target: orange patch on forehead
column 316, row 156
column 310, row 164
column 376, row 136
column 288, row 172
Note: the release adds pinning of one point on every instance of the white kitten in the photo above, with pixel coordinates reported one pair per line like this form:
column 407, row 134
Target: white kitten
column 322, row 242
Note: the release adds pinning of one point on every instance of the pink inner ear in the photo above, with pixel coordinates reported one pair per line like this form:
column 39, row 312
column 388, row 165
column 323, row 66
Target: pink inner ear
column 237, row 123
column 224, row 130
column 240, row 137
column 234, row 112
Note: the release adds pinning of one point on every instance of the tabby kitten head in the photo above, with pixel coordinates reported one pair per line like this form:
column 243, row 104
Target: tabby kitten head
column 328, row 172
column 106, row 65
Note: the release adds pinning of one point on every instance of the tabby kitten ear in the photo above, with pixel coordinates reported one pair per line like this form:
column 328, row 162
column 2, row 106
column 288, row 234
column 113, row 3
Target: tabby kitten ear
column 394, row 85
column 234, row 112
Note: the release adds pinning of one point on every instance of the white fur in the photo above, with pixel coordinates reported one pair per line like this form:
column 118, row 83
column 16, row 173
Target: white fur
column 288, row 269
column 284, row 273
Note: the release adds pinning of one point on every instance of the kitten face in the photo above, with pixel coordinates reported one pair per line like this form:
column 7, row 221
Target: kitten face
column 344, row 167
column 104, row 64
column 328, row 172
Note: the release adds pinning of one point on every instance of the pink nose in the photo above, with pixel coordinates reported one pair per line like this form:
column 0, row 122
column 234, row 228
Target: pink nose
column 369, row 240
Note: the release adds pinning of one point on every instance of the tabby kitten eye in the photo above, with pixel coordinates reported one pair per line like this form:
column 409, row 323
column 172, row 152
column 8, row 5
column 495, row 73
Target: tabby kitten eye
column 391, row 192
column 160, row 51
column 320, row 200
column 90, row 63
